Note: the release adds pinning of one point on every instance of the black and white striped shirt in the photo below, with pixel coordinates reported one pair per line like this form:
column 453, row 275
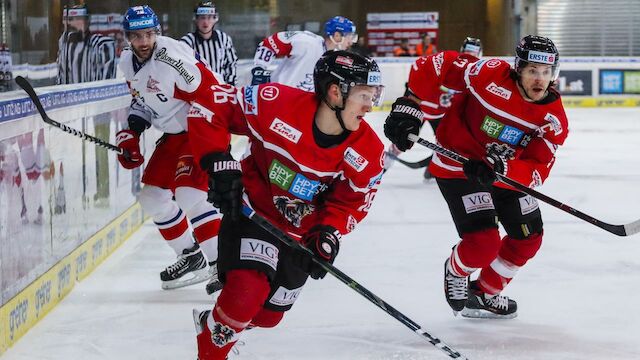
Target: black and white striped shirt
column 84, row 57
column 218, row 52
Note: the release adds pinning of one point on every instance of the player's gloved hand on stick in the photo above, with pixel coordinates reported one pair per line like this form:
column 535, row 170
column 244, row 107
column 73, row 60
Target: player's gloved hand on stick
column 225, row 183
column 324, row 242
column 405, row 118
column 129, row 140
column 260, row 76
column 484, row 171
column 479, row 171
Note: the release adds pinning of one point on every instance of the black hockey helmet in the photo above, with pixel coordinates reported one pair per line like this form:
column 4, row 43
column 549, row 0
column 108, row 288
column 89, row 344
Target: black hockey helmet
column 472, row 46
column 538, row 50
column 346, row 69
column 205, row 8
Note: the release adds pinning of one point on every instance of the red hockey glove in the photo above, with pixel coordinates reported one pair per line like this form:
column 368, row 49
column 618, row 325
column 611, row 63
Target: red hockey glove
column 324, row 242
column 129, row 140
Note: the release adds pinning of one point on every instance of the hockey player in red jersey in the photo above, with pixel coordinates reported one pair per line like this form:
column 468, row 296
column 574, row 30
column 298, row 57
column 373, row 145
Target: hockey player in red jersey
column 425, row 86
column 312, row 169
column 506, row 121
column 299, row 51
column 164, row 75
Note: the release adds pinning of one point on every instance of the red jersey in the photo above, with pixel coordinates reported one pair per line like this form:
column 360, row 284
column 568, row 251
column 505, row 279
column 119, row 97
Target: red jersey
column 426, row 82
column 490, row 111
column 288, row 178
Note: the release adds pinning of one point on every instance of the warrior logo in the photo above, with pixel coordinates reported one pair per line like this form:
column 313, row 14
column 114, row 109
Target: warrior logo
column 293, row 210
column 222, row 334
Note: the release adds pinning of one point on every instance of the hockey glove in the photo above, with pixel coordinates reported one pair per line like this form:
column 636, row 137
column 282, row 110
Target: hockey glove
column 480, row 172
column 484, row 172
column 129, row 140
column 225, row 183
column 405, row 118
column 324, row 242
column 260, row 76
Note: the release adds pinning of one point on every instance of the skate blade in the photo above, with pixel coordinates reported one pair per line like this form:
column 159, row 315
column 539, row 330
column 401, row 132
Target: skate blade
column 484, row 314
column 213, row 288
column 191, row 278
column 196, row 321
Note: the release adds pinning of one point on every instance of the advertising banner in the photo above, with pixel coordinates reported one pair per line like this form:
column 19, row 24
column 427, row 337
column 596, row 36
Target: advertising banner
column 574, row 82
column 611, row 81
column 386, row 30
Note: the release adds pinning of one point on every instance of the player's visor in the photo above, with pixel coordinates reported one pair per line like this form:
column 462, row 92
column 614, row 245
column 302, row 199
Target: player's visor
column 367, row 95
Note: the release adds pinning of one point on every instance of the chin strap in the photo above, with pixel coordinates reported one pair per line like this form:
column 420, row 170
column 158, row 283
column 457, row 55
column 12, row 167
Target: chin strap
column 338, row 111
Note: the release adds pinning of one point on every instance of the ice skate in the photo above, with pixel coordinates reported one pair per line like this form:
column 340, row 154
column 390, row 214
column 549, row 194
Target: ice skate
column 456, row 289
column 191, row 268
column 483, row 306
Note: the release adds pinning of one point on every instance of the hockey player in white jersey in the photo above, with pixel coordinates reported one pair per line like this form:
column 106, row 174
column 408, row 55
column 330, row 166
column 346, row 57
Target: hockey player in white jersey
column 164, row 75
column 300, row 50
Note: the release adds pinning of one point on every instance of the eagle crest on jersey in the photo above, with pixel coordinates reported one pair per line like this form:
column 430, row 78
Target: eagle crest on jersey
column 293, row 209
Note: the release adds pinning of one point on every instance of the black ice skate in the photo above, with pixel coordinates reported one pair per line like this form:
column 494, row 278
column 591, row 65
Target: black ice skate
column 456, row 289
column 483, row 306
column 214, row 284
column 191, row 268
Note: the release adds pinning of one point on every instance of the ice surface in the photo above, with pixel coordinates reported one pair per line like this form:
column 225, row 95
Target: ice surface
column 575, row 299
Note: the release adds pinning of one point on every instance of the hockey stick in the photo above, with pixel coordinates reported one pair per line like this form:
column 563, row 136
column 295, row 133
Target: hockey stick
column 620, row 230
column 24, row 84
column 412, row 165
column 265, row 224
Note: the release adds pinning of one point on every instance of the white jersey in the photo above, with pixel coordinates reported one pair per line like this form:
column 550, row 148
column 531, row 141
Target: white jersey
column 163, row 86
column 300, row 49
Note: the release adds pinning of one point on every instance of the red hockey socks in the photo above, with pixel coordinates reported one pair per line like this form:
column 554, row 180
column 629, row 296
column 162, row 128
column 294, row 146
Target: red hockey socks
column 242, row 297
column 513, row 255
column 475, row 250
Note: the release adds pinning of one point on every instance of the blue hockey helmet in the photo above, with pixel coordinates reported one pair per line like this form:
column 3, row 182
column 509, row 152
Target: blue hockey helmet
column 339, row 24
column 140, row 17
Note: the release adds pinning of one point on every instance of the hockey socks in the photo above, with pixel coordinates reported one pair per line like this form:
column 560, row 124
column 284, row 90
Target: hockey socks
column 513, row 254
column 241, row 299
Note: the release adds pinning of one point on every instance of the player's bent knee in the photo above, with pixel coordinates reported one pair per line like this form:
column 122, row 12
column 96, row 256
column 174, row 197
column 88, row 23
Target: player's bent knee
column 192, row 200
column 267, row 318
column 525, row 229
column 477, row 249
column 155, row 201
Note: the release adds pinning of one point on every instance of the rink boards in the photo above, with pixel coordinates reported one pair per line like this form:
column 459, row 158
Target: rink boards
column 34, row 302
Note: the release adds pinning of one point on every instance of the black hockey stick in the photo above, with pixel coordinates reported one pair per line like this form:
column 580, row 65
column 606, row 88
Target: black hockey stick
column 24, row 84
column 265, row 224
column 412, row 165
column 620, row 230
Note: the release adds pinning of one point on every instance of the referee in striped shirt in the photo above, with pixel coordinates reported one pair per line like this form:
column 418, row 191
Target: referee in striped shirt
column 214, row 46
column 83, row 56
